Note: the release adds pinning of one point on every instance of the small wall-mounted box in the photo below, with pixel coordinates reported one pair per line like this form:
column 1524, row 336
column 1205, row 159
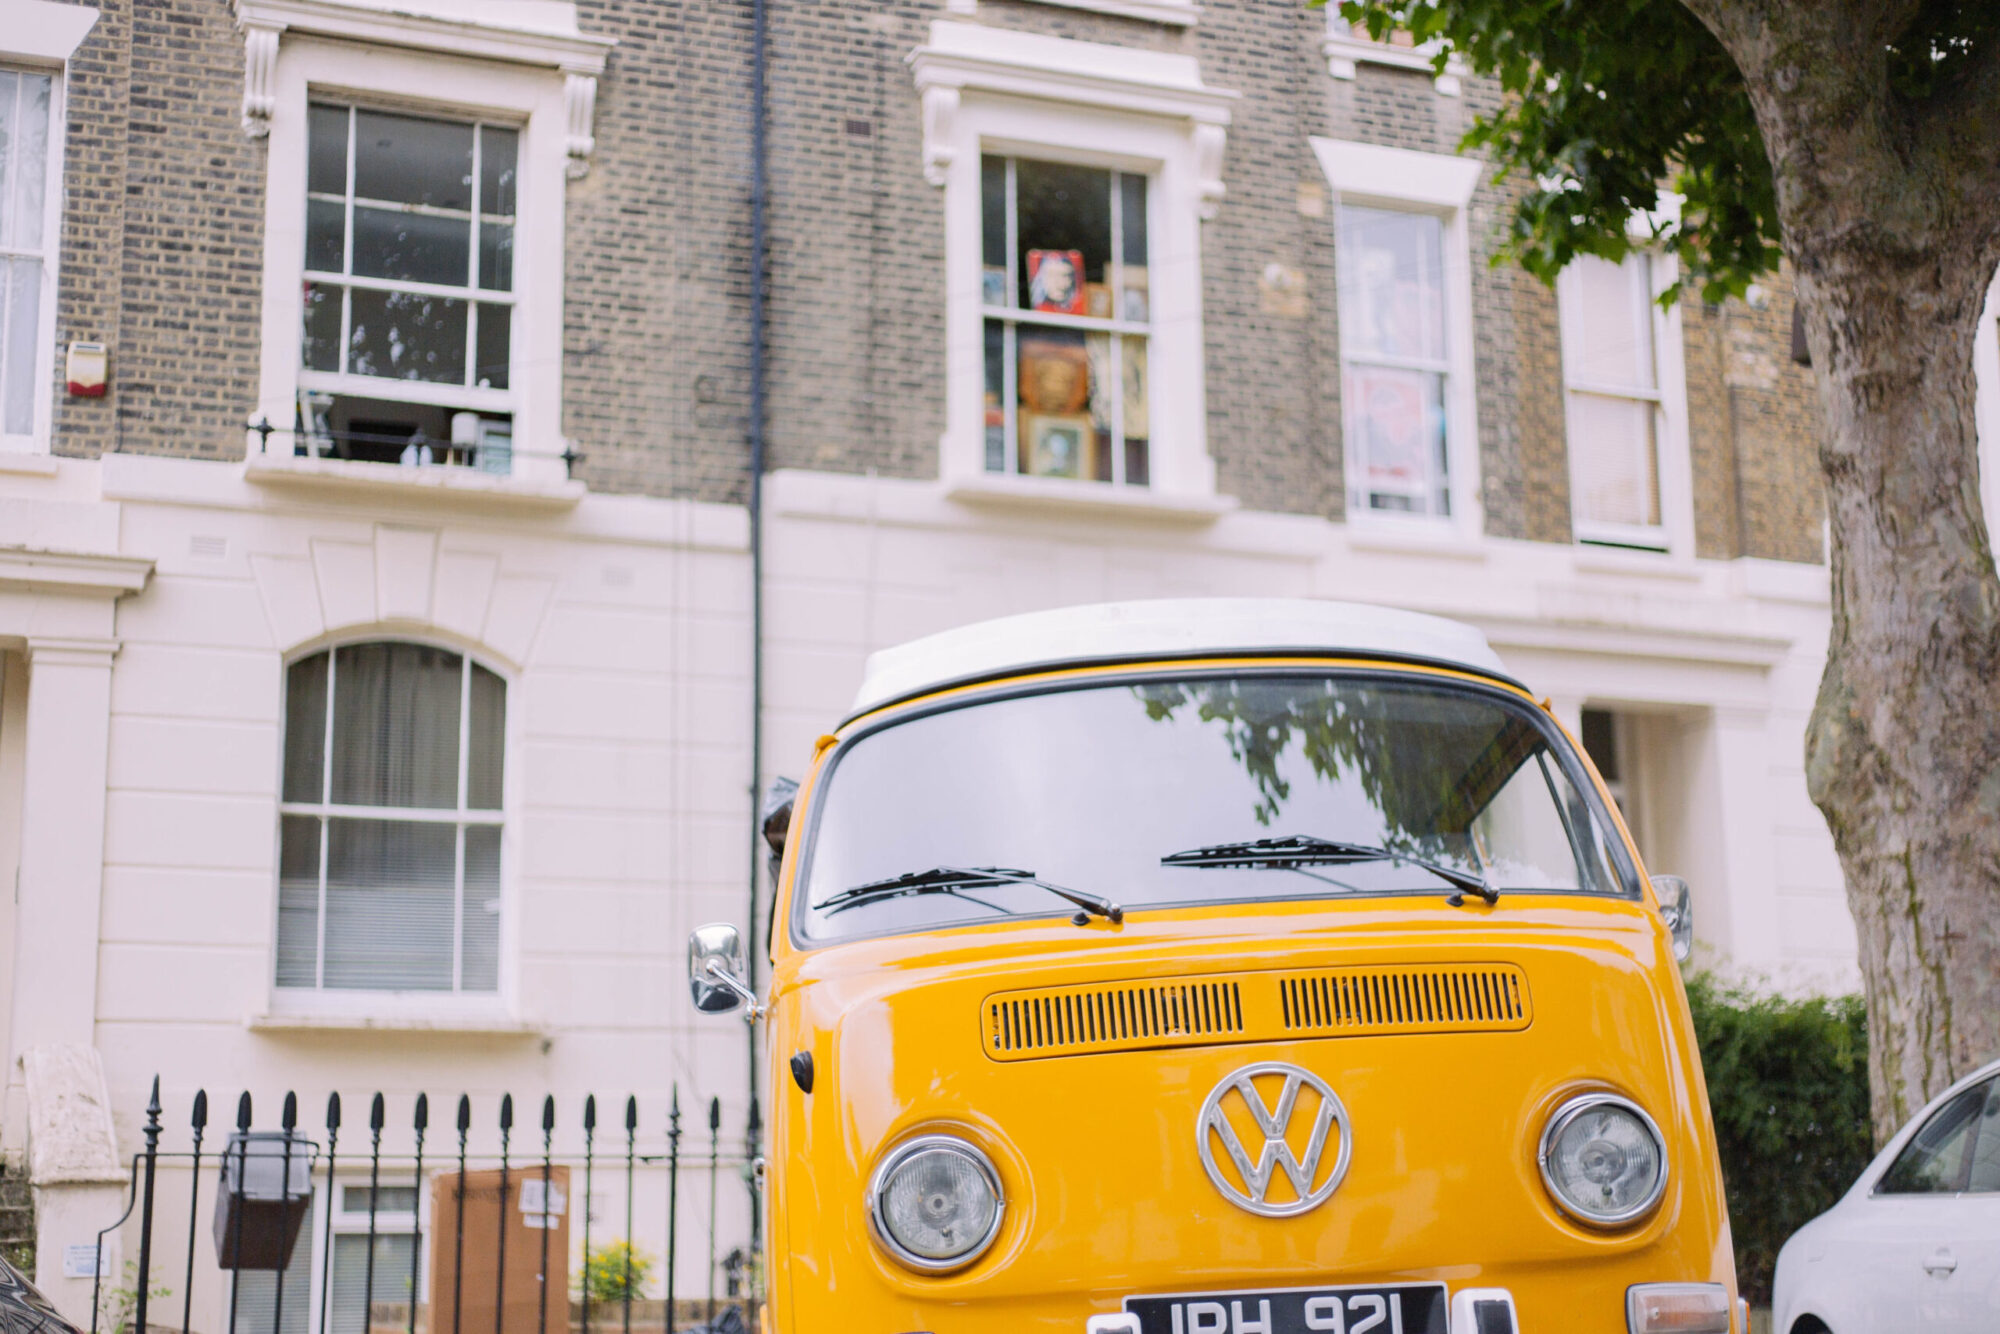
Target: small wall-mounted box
column 87, row 369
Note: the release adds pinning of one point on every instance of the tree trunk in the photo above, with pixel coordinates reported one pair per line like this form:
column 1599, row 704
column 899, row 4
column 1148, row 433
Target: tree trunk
column 1891, row 223
column 1903, row 751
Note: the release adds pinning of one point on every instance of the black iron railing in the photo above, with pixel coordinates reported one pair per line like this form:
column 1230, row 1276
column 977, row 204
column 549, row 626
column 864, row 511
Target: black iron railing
column 271, row 1188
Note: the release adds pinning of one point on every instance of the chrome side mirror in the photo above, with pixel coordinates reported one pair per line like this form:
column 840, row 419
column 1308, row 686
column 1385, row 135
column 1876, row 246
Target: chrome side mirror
column 1677, row 911
column 716, row 969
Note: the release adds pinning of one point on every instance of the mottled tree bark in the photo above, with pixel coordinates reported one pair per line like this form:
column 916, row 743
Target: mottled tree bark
column 1891, row 215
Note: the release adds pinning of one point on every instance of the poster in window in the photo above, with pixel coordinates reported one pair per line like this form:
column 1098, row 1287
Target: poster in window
column 1055, row 281
column 1055, row 444
column 1393, row 418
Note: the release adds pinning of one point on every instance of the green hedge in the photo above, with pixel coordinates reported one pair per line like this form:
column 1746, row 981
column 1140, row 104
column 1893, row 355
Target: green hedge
column 1788, row 1082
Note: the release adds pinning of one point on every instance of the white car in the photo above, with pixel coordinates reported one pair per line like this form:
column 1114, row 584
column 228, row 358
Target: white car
column 1915, row 1245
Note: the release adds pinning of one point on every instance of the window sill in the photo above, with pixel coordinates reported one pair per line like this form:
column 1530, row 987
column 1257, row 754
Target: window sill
column 349, row 477
column 1416, row 538
column 454, row 1020
column 29, row 461
column 1590, row 559
column 1060, row 495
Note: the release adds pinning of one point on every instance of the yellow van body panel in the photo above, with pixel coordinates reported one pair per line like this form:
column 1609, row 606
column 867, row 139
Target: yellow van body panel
column 1095, row 1145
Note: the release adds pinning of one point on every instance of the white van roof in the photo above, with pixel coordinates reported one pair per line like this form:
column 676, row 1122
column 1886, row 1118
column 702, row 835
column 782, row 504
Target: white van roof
column 1168, row 628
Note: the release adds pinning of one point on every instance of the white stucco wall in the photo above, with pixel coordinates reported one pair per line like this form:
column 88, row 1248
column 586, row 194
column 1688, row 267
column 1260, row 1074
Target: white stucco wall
column 621, row 625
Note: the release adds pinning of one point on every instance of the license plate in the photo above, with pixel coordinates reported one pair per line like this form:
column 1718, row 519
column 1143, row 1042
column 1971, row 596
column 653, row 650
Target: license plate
column 1409, row 1308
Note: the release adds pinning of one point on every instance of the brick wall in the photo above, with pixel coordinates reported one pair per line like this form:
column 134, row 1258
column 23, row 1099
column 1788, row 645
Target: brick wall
column 163, row 250
column 163, row 244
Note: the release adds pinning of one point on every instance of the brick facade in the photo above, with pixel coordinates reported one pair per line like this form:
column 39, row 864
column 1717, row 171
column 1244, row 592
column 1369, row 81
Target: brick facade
column 163, row 250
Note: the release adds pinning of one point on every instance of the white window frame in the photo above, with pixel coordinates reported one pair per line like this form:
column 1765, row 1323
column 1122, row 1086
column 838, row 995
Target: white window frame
column 541, row 100
column 41, row 38
column 348, row 1223
column 446, row 1006
column 1986, row 406
column 988, row 90
column 1674, row 536
column 1439, row 184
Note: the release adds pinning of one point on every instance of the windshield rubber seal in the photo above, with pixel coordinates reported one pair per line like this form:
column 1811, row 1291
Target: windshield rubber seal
column 1492, row 687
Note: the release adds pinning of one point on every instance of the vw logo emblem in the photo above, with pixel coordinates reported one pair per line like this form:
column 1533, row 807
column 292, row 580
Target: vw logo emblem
column 1239, row 1101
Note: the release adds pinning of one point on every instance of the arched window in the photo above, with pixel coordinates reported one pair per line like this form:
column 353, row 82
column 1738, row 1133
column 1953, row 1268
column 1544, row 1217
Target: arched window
column 389, row 841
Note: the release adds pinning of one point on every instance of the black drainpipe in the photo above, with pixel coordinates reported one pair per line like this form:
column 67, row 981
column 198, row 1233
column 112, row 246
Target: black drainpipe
column 757, row 266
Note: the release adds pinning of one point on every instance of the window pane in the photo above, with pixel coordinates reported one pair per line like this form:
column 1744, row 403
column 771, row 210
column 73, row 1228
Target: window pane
column 498, row 151
column 321, row 343
column 326, row 236
column 388, row 1199
column 24, row 148
column 405, row 336
column 1132, row 206
column 1614, row 459
column 409, row 160
column 395, row 726
column 1395, row 424
column 326, row 150
column 350, row 1280
column 389, row 905
column 1058, row 434
column 996, row 396
column 484, row 776
column 21, row 293
column 305, row 729
column 1608, row 337
column 481, row 969
column 257, row 1298
column 1391, row 284
column 10, row 93
column 1135, row 296
column 993, row 216
column 412, row 247
column 1986, row 1153
column 1138, row 413
column 495, row 347
column 298, row 900
column 1064, row 223
column 1936, row 1159
column 496, row 256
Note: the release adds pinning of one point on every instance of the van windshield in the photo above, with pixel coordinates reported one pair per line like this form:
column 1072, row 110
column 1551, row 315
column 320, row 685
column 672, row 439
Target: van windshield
column 1108, row 789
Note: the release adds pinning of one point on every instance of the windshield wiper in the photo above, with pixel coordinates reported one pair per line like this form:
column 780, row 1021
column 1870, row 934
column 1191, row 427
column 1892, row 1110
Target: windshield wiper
column 1289, row 852
column 954, row 879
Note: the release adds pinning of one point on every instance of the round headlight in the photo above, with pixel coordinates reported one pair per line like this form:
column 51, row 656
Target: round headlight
column 935, row 1203
column 1603, row 1160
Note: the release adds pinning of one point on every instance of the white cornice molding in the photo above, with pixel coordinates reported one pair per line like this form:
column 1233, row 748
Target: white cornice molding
column 1345, row 53
column 1401, row 175
column 969, row 57
column 43, row 30
column 965, row 58
column 555, row 45
column 38, row 570
column 1177, row 13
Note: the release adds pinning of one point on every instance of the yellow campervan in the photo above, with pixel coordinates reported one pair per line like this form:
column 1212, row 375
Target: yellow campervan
column 1223, row 967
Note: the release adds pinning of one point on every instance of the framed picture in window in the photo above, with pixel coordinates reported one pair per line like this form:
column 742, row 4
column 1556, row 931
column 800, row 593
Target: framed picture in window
column 1055, row 281
column 1056, row 444
column 1055, row 372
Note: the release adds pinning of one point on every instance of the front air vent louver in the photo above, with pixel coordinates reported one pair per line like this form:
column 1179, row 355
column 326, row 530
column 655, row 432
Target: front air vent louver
column 1115, row 1016
column 1422, row 998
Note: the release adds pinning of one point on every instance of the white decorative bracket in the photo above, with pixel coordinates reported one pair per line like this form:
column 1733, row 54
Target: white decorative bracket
column 940, row 128
column 580, row 109
column 260, row 67
column 1209, row 141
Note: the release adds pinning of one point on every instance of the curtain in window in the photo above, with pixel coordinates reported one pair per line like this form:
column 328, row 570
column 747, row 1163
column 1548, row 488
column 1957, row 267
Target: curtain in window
column 390, row 836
